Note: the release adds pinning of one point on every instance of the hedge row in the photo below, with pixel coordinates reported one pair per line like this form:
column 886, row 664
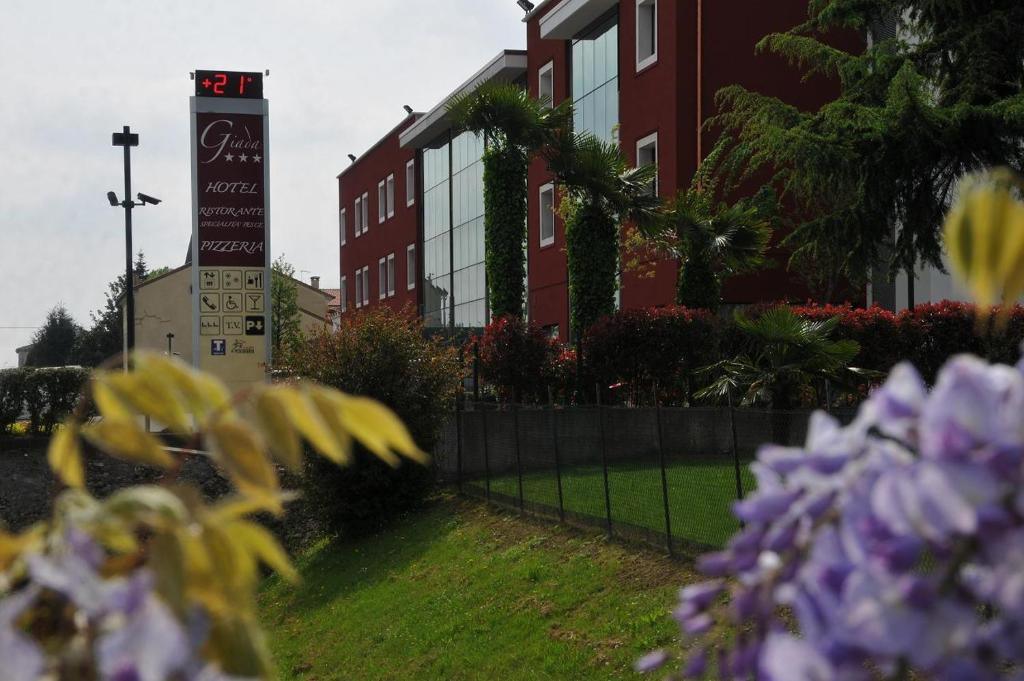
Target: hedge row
column 633, row 351
column 46, row 396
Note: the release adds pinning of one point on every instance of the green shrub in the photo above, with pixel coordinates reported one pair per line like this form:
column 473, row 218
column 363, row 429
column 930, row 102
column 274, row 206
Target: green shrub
column 383, row 355
column 12, row 397
column 51, row 394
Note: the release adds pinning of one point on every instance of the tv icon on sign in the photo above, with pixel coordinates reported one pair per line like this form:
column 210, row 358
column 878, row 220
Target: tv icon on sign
column 218, row 347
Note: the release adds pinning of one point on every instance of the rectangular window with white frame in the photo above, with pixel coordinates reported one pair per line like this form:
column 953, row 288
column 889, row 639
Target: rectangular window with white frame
column 359, row 288
column 357, row 210
column 547, row 215
column 391, row 274
column 410, row 267
column 382, row 278
column 342, row 227
column 546, row 84
column 391, row 195
column 646, row 33
column 366, row 285
column 366, row 212
column 381, row 202
column 343, row 294
column 410, row 183
column 647, row 155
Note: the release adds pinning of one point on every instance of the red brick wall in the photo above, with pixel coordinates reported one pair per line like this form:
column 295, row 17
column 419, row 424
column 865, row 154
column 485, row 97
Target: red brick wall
column 394, row 235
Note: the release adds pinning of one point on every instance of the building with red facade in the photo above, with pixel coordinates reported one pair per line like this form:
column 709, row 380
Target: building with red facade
column 642, row 73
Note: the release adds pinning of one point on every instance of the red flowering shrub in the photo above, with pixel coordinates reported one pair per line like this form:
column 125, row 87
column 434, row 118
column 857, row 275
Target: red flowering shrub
column 639, row 348
column 517, row 359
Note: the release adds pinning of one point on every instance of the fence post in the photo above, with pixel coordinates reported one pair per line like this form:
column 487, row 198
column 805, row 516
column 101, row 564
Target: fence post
column 664, row 474
column 519, row 460
column 487, row 456
column 558, row 458
column 735, row 448
column 604, row 462
column 476, row 372
column 459, row 397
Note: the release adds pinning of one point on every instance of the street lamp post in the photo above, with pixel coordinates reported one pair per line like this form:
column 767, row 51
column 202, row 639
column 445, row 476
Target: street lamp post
column 170, row 341
column 128, row 139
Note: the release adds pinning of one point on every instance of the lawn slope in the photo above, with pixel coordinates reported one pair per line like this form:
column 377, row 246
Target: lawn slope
column 462, row 592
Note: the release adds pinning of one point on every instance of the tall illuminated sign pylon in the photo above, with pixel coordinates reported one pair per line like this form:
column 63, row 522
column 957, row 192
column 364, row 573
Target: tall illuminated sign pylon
column 231, row 227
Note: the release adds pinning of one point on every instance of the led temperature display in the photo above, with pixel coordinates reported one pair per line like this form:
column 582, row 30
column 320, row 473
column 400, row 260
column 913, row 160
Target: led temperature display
column 229, row 84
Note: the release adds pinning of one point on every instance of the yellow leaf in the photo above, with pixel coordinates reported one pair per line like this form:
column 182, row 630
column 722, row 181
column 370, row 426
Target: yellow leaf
column 306, row 418
column 239, row 450
column 265, row 546
column 240, row 507
column 107, row 401
column 126, row 440
column 237, row 644
column 65, row 456
column 147, row 504
column 273, row 421
column 203, row 394
column 148, row 391
column 379, row 429
column 12, row 546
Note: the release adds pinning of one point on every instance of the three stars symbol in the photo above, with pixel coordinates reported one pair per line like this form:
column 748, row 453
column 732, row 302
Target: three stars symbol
column 242, row 158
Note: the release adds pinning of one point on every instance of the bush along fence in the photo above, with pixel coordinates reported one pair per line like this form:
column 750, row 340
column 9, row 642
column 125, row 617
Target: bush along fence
column 42, row 396
column 630, row 350
column 664, row 476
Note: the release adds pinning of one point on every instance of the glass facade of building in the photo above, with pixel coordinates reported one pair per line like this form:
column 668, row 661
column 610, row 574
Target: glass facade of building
column 595, row 81
column 453, row 233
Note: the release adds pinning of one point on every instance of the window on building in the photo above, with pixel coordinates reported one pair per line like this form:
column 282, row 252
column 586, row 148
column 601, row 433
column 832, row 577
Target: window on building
column 381, row 201
column 647, row 155
column 410, row 267
column 358, row 211
column 547, row 215
column 546, row 83
column 382, row 278
column 366, row 285
column 595, row 82
column 410, row 183
column 391, row 195
column 343, row 294
column 366, row 212
column 646, row 33
column 342, row 227
column 391, row 274
column 359, row 288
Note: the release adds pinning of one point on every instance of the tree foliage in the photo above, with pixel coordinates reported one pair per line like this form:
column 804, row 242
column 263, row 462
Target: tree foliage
column 286, row 319
column 105, row 338
column 515, row 126
column 872, row 173
column 53, row 344
column 153, row 582
column 601, row 193
column 712, row 240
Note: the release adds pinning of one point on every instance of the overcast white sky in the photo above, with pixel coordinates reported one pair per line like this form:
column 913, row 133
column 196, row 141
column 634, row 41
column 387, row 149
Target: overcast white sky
column 73, row 72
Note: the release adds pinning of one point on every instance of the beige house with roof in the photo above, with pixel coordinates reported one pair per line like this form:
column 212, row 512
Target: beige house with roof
column 163, row 305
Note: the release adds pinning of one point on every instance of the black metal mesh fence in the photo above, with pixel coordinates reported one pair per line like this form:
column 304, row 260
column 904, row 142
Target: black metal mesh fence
column 663, row 476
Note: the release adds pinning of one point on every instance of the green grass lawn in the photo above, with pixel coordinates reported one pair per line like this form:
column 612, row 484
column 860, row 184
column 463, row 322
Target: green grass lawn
column 461, row 592
column 700, row 491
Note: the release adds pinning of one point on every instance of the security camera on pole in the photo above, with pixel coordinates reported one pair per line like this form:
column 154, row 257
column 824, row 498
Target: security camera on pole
column 128, row 139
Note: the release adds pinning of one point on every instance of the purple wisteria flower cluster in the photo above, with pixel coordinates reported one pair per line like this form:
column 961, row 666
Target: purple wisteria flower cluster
column 889, row 548
column 68, row 621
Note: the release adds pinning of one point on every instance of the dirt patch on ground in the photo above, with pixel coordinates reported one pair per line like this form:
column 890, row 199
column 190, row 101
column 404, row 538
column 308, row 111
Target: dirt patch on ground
column 27, row 487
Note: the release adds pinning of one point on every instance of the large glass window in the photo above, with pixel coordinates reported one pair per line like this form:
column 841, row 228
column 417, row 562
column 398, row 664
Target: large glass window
column 595, row 81
column 453, row 226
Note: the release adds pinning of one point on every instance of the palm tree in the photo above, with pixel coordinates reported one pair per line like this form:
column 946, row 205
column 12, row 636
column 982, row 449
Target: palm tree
column 515, row 126
column 601, row 192
column 787, row 357
column 712, row 239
